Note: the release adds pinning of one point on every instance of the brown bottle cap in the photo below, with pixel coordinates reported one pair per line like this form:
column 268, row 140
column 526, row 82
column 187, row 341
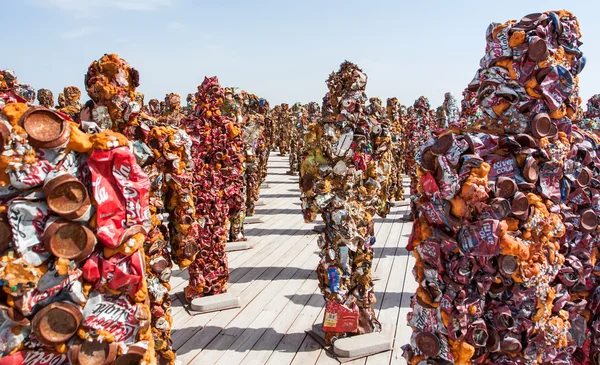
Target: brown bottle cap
column 133, row 356
column 531, row 170
column 531, row 18
column 506, row 187
column 189, row 250
column 541, row 125
column 428, row 160
column 56, row 323
column 538, row 50
column 428, row 344
column 589, row 220
column 497, row 288
column 132, row 231
column 493, row 342
column 4, row 132
column 5, row 233
column 480, row 337
column 507, row 265
column 584, row 178
column 69, row 240
column 92, row 352
column 45, row 128
column 542, row 73
column 568, row 276
column 67, row 196
column 443, row 144
column 500, row 207
column 506, row 320
column 511, row 344
column 553, row 131
column 158, row 265
column 525, row 140
column 519, row 205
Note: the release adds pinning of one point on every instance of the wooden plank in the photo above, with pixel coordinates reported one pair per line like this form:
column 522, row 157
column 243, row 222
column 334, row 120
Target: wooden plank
column 236, row 275
column 286, row 349
column 191, row 346
column 403, row 331
column 268, row 308
column 388, row 307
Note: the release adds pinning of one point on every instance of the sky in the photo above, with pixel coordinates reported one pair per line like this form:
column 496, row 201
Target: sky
column 280, row 50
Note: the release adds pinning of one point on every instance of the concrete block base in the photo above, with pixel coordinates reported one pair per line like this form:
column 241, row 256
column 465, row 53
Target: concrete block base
column 319, row 228
column 362, row 345
column 252, row 220
column 215, row 303
column 238, row 246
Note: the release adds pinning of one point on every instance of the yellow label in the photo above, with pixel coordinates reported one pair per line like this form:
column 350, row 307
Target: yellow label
column 330, row 320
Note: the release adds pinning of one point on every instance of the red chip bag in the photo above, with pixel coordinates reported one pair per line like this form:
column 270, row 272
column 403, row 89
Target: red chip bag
column 120, row 189
column 340, row 318
column 120, row 272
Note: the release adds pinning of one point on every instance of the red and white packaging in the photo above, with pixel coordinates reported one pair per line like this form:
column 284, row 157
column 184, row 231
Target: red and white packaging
column 340, row 318
column 120, row 189
column 35, row 357
column 114, row 314
column 120, row 272
column 28, row 221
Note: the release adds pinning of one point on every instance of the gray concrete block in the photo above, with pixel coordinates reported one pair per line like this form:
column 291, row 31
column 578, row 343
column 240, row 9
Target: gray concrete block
column 215, row 303
column 259, row 204
column 362, row 345
column 252, row 220
column 319, row 228
column 238, row 246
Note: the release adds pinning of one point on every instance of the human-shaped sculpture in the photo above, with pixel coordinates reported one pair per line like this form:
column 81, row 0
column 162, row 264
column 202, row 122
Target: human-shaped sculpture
column 71, row 105
column 45, row 98
column 216, row 157
column 164, row 152
column 341, row 178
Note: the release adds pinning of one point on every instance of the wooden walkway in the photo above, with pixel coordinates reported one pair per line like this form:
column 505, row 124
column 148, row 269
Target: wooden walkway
column 277, row 286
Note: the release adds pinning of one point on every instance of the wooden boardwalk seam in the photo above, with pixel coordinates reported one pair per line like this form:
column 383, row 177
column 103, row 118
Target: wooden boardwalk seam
column 278, row 289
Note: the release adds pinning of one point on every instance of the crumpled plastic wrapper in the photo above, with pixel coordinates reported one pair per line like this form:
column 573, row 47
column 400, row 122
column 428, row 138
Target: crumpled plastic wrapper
column 342, row 178
column 506, row 219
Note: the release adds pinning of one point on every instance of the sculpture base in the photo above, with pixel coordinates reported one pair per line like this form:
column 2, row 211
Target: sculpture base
column 252, row 220
column 215, row 303
column 319, row 228
column 362, row 345
column 355, row 347
column 238, row 246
